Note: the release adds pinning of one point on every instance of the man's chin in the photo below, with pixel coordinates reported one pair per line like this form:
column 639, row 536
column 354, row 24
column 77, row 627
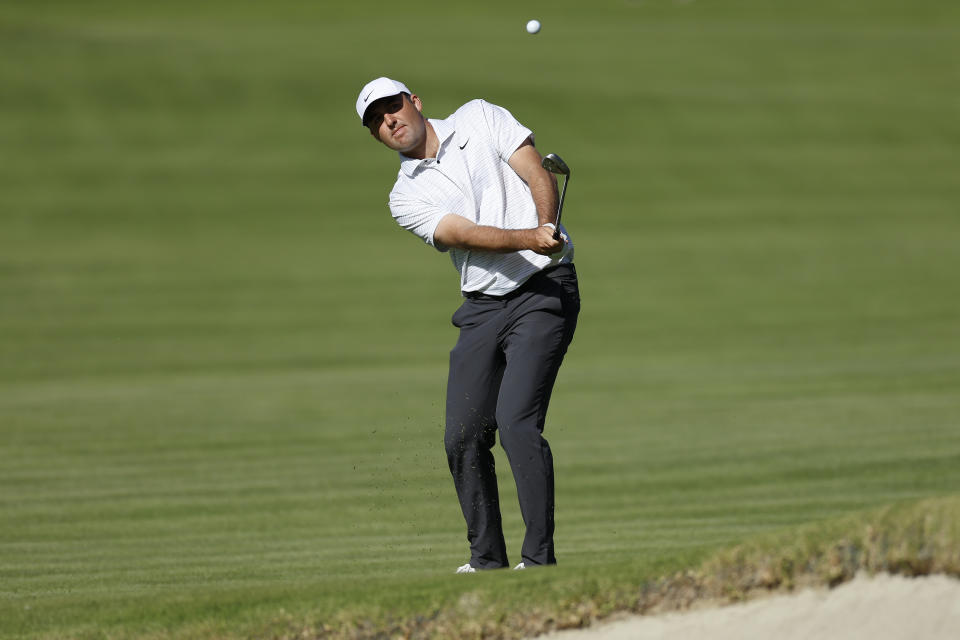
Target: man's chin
column 403, row 147
column 402, row 144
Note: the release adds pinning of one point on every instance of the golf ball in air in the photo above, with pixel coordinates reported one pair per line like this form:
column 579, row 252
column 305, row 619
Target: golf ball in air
column 533, row 26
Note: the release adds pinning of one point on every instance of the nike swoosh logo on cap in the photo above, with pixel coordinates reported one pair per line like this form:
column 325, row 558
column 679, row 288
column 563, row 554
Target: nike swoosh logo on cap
column 368, row 96
column 463, row 145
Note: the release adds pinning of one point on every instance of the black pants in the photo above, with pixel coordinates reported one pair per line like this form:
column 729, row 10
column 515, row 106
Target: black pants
column 502, row 371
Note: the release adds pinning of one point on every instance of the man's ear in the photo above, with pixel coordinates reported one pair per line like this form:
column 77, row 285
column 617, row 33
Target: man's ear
column 415, row 99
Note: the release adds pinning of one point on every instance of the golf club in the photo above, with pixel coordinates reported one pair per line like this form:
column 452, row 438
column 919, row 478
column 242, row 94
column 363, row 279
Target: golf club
column 555, row 164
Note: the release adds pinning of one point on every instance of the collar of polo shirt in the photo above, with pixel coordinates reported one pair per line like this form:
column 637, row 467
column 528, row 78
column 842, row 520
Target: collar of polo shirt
column 445, row 133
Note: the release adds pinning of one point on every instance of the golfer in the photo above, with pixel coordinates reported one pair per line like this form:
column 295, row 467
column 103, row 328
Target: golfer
column 472, row 185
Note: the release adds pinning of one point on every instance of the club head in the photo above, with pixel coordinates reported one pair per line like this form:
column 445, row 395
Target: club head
column 555, row 164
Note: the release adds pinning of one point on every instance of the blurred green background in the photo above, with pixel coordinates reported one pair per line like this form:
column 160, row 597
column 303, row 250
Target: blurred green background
column 222, row 365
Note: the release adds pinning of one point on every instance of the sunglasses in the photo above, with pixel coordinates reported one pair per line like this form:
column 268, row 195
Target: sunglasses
column 374, row 115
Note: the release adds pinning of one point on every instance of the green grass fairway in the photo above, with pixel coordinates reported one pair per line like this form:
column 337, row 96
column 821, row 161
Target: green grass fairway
column 222, row 364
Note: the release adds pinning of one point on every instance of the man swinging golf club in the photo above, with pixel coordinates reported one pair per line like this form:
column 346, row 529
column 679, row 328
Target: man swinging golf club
column 474, row 185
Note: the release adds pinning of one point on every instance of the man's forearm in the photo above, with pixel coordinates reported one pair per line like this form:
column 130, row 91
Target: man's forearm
column 456, row 231
column 528, row 164
column 493, row 239
column 543, row 188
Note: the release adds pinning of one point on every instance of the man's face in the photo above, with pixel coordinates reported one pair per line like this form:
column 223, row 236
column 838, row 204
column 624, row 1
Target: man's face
column 396, row 121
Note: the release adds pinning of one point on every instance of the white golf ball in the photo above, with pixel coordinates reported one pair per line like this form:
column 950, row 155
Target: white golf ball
column 533, row 26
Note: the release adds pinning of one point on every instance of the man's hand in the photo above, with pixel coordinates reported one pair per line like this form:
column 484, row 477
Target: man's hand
column 542, row 241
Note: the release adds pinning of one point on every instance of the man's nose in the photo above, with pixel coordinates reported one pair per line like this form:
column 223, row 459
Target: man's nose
column 390, row 119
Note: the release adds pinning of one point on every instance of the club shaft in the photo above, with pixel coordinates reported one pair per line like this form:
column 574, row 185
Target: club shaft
column 566, row 181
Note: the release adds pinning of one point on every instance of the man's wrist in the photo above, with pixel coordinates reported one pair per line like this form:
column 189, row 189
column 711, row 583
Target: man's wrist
column 527, row 238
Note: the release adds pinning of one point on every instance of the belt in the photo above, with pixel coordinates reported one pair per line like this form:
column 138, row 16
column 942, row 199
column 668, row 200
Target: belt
column 479, row 295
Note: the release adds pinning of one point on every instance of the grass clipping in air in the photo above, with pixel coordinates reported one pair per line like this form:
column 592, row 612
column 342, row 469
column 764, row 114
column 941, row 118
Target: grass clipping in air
column 915, row 539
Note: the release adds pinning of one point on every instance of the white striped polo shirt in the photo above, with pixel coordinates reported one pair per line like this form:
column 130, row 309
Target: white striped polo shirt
column 471, row 177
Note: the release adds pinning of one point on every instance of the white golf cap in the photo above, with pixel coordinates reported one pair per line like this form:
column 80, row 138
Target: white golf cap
column 376, row 89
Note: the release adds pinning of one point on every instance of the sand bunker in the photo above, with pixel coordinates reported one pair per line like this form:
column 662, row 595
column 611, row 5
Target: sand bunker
column 876, row 608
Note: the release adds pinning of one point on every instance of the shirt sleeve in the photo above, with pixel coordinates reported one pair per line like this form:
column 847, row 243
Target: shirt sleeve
column 418, row 217
column 507, row 133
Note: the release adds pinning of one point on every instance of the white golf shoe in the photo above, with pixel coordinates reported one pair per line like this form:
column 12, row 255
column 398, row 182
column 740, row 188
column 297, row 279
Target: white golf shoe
column 520, row 567
column 467, row 568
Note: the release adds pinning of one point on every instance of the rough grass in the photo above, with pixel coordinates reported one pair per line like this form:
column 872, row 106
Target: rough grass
column 913, row 539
